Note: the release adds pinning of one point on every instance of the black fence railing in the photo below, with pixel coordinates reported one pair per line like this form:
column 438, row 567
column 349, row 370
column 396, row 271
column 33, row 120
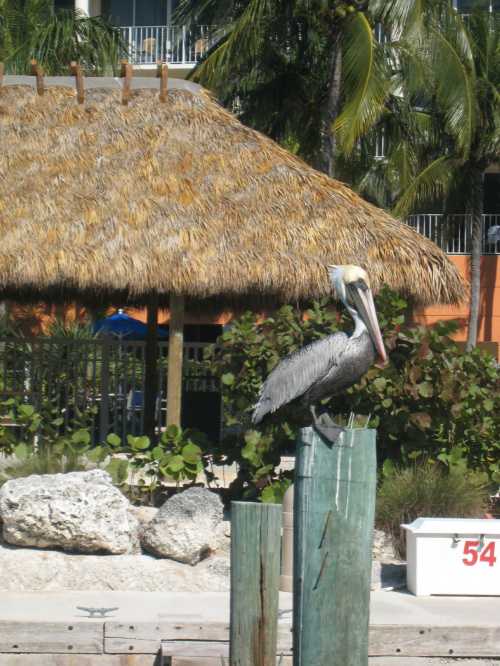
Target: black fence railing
column 108, row 375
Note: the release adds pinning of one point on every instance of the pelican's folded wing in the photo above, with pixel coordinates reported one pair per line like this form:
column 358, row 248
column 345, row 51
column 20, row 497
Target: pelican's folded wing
column 296, row 373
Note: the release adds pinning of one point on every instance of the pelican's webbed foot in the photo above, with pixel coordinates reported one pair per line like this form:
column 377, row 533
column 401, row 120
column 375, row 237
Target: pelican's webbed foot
column 326, row 426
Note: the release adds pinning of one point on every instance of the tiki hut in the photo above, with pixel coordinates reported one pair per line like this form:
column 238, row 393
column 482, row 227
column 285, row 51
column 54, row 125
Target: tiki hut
column 146, row 191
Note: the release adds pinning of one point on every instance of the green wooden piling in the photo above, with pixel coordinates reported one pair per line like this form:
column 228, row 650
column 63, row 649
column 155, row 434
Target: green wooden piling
column 255, row 572
column 334, row 511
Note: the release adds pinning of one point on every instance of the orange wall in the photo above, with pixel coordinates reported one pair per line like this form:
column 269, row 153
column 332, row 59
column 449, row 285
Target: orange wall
column 222, row 317
column 489, row 308
column 36, row 317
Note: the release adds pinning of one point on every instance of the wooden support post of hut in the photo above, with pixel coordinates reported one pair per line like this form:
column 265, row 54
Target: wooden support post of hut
column 334, row 510
column 163, row 84
column 255, row 570
column 151, row 373
column 40, row 84
column 175, row 346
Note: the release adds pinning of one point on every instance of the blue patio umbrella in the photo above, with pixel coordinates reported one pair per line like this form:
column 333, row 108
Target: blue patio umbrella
column 123, row 327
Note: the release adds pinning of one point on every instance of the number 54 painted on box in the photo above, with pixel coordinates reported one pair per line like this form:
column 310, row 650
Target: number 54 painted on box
column 474, row 555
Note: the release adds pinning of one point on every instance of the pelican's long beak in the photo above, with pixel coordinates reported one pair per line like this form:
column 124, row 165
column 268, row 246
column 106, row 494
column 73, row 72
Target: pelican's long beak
column 363, row 300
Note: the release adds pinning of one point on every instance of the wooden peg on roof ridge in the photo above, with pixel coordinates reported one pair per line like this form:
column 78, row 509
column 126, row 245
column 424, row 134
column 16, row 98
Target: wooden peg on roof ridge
column 80, row 93
column 159, row 68
column 33, row 67
column 163, row 83
column 39, row 80
column 73, row 65
column 126, row 85
column 123, row 69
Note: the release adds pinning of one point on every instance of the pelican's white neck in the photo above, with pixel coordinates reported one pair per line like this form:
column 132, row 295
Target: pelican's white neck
column 337, row 275
column 360, row 326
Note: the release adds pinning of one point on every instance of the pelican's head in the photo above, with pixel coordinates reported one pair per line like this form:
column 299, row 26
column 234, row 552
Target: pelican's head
column 353, row 286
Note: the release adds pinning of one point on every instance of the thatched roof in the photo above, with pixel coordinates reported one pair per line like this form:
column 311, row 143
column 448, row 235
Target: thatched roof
column 102, row 199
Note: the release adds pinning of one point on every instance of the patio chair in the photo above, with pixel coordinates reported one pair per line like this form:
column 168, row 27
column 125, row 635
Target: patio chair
column 134, row 405
column 148, row 47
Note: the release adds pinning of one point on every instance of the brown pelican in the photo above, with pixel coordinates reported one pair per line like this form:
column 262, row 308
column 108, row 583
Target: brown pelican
column 332, row 364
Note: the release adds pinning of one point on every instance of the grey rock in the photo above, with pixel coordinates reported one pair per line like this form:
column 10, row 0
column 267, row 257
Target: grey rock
column 186, row 527
column 144, row 514
column 31, row 569
column 384, row 548
column 80, row 512
column 387, row 575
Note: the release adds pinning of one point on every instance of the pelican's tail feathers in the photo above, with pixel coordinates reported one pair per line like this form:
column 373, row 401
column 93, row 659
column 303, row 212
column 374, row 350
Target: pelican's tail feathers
column 260, row 409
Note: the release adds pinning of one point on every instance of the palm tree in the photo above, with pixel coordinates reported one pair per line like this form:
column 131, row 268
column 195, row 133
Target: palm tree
column 31, row 29
column 463, row 69
column 285, row 65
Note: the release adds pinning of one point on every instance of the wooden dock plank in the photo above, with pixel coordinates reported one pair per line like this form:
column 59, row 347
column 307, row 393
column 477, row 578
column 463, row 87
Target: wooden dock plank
column 425, row 641
column 52, row 637
column 195, row 649
column 82, row 660
column 146, row 638
column 216, row 661
column 385, row 640
column 113, row 638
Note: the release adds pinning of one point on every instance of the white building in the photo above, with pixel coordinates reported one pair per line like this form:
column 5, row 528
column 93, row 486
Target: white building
column 146, row 26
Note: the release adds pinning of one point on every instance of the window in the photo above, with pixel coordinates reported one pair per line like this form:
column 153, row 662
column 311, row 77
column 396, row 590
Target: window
column 61, row 4
column 135, row 12
column 466, row 6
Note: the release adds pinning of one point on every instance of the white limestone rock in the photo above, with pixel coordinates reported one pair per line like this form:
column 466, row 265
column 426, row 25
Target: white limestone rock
column 80, row 512
column 50, row 570
column 186, row 527
column 384, row 548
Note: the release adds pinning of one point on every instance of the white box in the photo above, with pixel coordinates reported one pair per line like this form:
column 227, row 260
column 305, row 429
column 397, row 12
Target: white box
column 453, row 556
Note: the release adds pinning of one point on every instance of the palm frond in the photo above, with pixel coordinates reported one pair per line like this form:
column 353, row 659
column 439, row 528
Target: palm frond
column 455, row 90
column 33, row 30
column 364, row 82
column 430, row 184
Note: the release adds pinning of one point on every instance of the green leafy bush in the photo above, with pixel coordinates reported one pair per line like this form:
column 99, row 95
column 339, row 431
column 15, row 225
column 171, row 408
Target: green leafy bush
column 43, row 430
column 38, row 440
column 426, row 398
column 179, row 456
column 44, row 446
column 426, row 490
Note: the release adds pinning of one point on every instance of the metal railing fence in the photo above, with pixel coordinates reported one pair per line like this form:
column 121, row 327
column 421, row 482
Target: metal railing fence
column 172, row 44
column 104, row 373
column 454, row 234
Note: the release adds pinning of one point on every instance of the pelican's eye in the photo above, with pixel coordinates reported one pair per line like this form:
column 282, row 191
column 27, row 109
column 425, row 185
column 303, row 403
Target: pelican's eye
column 361, row 283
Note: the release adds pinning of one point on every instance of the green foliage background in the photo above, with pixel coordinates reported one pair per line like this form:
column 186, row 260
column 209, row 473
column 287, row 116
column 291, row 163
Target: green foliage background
column 425, row 399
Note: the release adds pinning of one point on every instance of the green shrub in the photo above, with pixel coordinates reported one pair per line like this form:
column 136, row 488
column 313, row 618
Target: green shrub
column 43, row 444
column 44, row 430
column 38, row 444
column 426, row 490
column 179, row 456
column 44, row 461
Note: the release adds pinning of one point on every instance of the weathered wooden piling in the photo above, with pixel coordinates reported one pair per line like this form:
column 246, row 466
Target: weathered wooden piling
column 255, row 571
column 334, row 510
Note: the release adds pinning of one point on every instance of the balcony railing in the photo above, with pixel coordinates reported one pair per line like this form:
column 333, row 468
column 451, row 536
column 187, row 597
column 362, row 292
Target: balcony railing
column 454, row 235
column 171, row 44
